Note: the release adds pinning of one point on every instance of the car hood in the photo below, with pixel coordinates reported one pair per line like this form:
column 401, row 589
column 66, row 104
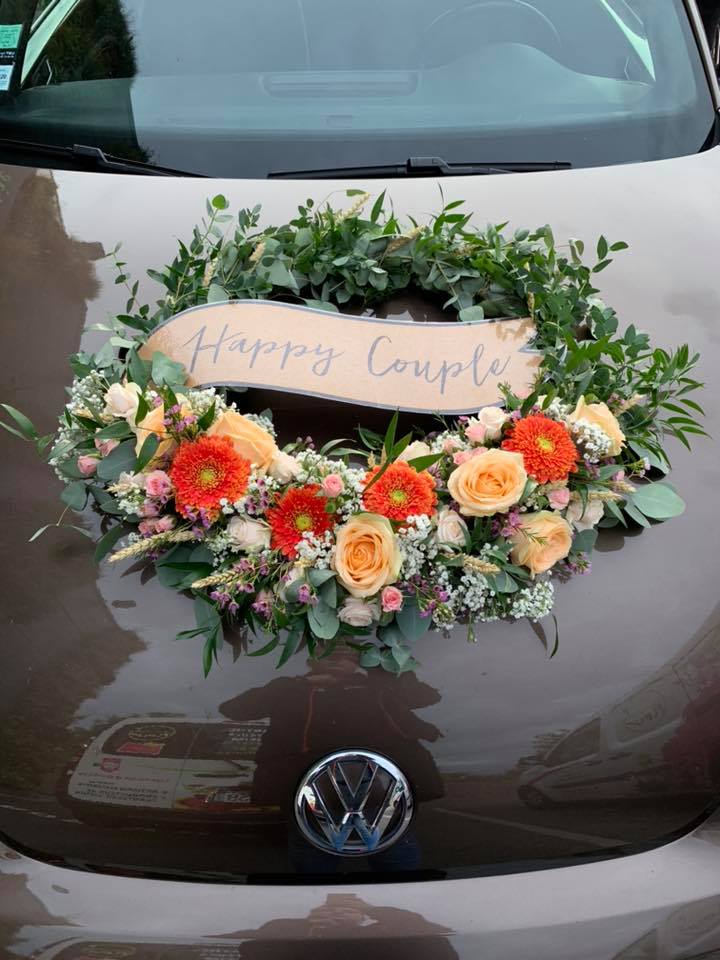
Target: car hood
column 516, row 759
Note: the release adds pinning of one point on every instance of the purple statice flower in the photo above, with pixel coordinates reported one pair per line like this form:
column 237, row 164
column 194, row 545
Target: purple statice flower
column 506, row 526
column 262, row 605
column 579, row 565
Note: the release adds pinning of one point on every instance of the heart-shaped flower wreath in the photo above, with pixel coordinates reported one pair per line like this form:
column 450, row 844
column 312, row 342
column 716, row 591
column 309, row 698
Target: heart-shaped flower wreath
column 372, row 547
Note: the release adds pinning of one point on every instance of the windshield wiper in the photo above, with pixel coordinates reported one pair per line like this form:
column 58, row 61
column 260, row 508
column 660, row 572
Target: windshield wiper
column 419, row 167
column 89, row 157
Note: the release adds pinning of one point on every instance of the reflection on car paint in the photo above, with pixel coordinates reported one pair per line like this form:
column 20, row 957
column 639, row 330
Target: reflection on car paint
column 203, row 767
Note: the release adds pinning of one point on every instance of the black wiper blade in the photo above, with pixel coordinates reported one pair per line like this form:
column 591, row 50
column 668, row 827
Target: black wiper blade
column 90, row 157
column 420, row 167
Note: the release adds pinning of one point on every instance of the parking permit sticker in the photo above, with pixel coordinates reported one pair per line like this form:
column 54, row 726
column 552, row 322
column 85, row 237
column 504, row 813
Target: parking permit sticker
column 9, row 40
column 10, row 35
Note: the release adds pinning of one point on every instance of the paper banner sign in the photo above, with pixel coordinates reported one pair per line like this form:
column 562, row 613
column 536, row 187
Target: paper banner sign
column 449, row 368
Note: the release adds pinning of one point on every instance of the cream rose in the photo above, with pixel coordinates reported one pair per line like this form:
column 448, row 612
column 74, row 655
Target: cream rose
column 359, row 613
column 249, row 535
column 541, row 540
column 451, row 529
column 488, row 484
column 492, row 419
column 600, row 416
column 284, row 467
column 121, row 400
column 418, row 448
column 248, row 438
column 584, row 519
column 367, row 555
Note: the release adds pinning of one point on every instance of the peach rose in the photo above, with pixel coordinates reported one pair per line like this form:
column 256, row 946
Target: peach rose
column 248, row 438
column 540, row 541
column 488, row 484
column 600, row 416
column 367, row 556
column 153, row 423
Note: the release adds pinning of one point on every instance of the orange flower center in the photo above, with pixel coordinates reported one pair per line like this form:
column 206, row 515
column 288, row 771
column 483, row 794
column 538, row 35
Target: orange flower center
column 545, row 444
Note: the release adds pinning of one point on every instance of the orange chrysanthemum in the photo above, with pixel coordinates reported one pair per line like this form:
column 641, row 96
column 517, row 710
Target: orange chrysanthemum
column 204, row 472
column 299, row 511
column 401, row 492
column 547, row 450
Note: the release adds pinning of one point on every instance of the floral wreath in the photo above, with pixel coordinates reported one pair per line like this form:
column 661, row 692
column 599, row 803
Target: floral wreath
column 372, row 546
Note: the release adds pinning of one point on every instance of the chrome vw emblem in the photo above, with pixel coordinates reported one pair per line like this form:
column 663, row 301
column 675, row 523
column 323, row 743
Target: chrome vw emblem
column 353, row 803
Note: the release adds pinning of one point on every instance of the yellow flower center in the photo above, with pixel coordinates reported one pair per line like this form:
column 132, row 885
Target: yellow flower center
column 545, row 444
column 303, row 521
column 398, row 498
column 207, row 476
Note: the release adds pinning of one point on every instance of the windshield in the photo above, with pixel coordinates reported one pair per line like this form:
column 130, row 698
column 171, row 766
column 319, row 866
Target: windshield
column 241, row 88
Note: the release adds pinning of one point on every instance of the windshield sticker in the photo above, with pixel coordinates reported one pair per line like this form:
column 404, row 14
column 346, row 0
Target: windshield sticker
column 5, row 75
column 10, row 35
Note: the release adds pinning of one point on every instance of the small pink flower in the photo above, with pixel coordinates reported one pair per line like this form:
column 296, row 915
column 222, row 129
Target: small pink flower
column 146, row 527
column 333, row 485
column 164, row 524
column 475, row 433
column 449, row 445
column 559, row 499
column 478, row 452
column 87, row 464
column 105, row 446
column 391, row 599
column 157, row 484
column 462, row 456
column 149, row 509
column 620, row 475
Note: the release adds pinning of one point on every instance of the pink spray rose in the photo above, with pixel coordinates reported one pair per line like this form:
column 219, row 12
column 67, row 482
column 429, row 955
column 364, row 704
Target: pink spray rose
column 475, row 433
column 87, row 464
column 333, row 485
column 462, row 456
column 559, row 499
column 391, row 599
column 158, row 484
column 104, row 447
column 149, row 509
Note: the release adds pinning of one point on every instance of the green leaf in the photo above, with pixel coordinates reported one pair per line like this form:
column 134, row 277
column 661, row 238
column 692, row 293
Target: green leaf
column 328, row 593
column 108, row 541
column 138, row 369
column 75, row 495
column 472, row 315
column 147, row 452
column 502, row 583
column 321, row 305
column 216, row 293
column 207, row 418
column 632, row 511
column 120, row 460
column 422, row 463
column 370, row 658
column 220, row 202
column 411, row 624
column 118, row 430
column 318, row 577
column 584, row 541
column 323, row 620
column 25, row 426
column 295, row 635
column 657, row 501
column 166, row 372
column 389, row 441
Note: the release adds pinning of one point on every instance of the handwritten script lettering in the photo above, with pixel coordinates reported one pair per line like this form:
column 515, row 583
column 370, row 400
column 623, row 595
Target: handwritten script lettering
column 449, row 368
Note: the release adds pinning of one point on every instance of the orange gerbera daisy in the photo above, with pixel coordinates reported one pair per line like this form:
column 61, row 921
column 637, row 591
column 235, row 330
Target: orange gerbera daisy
column 299, row 511
column 401, row 492
column 546, row 447
column 204, row 472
